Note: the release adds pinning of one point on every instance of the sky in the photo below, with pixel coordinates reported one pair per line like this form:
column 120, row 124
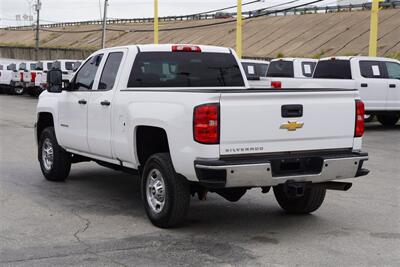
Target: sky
column 78, row 10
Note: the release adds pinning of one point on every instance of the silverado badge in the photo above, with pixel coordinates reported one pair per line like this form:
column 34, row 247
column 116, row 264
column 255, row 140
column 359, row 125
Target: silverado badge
column 292, row 125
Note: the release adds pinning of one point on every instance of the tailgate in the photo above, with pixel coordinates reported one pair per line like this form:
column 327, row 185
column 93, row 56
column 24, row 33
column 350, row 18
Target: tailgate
column 270, row 121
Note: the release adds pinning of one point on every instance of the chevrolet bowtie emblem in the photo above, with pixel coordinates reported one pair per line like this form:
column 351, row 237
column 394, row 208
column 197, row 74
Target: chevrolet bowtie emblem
column 292, row 125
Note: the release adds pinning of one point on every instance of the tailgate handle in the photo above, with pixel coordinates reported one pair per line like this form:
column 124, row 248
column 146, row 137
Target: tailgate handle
column 392, row 85
column 364, row 85
column 292, row 111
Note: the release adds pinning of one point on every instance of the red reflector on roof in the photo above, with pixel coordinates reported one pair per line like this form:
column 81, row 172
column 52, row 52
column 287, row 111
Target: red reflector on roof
column 185, row 48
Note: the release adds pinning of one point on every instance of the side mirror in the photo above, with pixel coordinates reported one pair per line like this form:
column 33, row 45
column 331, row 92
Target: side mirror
column 54, row 80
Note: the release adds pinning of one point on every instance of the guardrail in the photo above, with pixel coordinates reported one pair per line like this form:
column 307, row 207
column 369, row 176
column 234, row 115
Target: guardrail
column 202, row 16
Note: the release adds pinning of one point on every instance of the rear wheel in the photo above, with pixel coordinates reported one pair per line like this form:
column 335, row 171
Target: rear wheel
column 55, row 162
column 388, row 119
column 369, row 117
column 165, row 194
column 311, row 200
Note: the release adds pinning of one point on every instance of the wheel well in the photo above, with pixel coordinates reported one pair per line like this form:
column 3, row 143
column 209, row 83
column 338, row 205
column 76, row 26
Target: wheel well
column 45, row 120
column 150, row 140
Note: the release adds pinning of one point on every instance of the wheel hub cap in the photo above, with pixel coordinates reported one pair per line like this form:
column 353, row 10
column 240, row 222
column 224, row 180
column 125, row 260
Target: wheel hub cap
column 155, row 191
column 47, row 154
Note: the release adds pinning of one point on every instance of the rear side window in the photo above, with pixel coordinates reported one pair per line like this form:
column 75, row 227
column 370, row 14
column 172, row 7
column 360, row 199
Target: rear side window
column 307, row 68
column 110, row 71
column 255, row 70
column 185, row 69
column 371, row 69
column 333, row 69
column 393, row 70
column 280, row 68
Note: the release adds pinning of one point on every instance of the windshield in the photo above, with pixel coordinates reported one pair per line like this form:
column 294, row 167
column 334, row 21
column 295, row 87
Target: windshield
column 333, row 69
column 185, row 69
column 280, row 68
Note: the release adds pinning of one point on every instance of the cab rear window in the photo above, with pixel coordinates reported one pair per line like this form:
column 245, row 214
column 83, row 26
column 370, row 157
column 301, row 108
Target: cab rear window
column 333, row 69
column 280, row 68
column 185, row 69
column 255, row 70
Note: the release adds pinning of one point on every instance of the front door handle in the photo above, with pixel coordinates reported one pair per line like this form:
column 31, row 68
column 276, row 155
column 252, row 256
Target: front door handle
column 82, row 102
column 105, row 103
column 392, row 85
column 364, row 85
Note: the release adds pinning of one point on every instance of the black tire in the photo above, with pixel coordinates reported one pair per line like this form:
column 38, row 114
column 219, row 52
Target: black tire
column 311, row 200
column 61, row 159
column 176, row 192
column 388, row 119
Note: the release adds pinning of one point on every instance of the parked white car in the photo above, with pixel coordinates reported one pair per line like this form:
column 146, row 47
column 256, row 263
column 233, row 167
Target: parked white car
column 284, row 72
column 5, row 78
column 256, row 71
column 184, row 118
column 377, row 79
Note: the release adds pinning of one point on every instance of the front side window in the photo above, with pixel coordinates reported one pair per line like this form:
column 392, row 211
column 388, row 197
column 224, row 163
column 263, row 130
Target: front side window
column 281, row 68
column 185, row 69
column 110, row 71
column 333, row 69
column 84, row 79
column 371, row 69
column 308, row 68
column 393, row 70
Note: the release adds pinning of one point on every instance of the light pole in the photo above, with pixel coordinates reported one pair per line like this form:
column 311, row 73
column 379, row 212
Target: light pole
column 103, row 36
column 239, row 29
column 156, row 21
column 37, row 8
column 373, row 30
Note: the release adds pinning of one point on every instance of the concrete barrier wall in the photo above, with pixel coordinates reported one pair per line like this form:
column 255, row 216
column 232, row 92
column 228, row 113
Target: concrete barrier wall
column 28, row 53
column 309, row 35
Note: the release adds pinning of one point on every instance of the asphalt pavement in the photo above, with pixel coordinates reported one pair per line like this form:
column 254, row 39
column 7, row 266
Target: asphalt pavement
column 96, row 217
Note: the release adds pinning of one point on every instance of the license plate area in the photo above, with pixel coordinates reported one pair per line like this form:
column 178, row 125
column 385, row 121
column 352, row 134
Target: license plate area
column 296, row 166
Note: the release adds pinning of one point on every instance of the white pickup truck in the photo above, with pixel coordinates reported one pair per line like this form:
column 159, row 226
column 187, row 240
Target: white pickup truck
column 376, row 78
column 289, row 72
column 184, row 118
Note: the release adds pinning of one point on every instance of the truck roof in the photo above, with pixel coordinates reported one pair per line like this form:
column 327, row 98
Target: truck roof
column 294, row 59
column 360, row 58
column 254, row 61
column 168, row 47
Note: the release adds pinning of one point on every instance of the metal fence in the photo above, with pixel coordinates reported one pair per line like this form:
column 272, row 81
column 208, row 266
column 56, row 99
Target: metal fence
column 248, row 14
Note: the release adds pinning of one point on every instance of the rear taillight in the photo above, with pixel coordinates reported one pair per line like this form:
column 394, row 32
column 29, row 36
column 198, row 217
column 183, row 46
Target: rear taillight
column 186, row 48
column 206, row 124
column 360, row 112
column 21, row 76
column 276, row 84
column 33, row 76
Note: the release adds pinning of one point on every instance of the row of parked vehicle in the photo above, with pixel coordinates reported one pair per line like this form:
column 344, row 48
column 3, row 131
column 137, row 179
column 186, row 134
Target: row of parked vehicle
column 376, row 78
column 19, row 77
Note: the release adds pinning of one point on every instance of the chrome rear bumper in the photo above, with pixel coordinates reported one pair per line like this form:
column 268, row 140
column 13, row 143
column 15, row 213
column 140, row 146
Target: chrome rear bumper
column 263, row 171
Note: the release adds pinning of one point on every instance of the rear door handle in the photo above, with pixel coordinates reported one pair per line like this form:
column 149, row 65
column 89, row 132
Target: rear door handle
column 82, row 102
column 364, row 85
column 392, row 85
column 105, row 103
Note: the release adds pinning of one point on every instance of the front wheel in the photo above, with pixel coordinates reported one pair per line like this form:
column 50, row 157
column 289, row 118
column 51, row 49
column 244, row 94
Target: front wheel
column 165, row 194
column 311, row 200
column 18, row 90
column 55, row 162
column 388, row 119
